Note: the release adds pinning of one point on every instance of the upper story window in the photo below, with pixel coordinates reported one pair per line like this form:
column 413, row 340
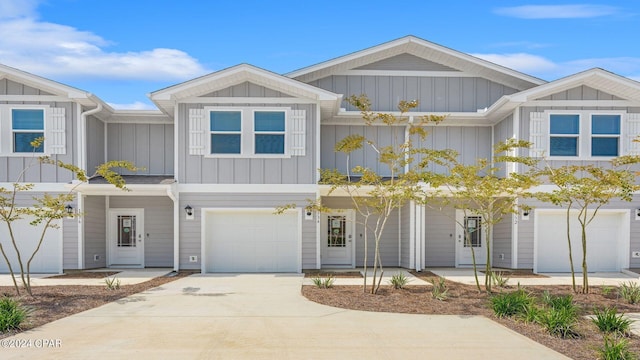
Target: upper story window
column 582, row 134
column 226, row 132
column 26, row 126
column 247, row 132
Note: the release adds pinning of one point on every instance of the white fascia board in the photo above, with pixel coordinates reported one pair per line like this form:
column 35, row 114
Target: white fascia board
column 134, row 189
column 452, row 118
column 248, row 188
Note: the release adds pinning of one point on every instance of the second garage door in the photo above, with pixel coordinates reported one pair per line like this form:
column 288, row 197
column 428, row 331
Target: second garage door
column 49, row 257
column 252, row 241
column 606, row 238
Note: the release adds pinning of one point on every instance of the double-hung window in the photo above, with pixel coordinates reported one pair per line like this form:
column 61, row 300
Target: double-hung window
column 27, row 125
column 226, row 132
column 605, row 135
column 269, row 132
column 564, row 135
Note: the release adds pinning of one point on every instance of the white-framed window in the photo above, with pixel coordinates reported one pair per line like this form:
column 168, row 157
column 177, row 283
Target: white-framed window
column 269, row 131
column 21, row 124
column 26, row 126
column 225, row 127
column 582, row 134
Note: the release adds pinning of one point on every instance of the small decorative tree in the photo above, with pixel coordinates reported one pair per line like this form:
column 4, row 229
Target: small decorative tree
column 479, row 189
column 585, row 189
column 48, row 208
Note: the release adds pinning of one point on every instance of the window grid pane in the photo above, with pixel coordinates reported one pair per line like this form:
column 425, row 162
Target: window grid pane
column 271, row 121
column 269, row 144
column 605, row 124
column 565, row 124
column 27, row 119
column 22, row 142
column 225, row 121
column 604, row 146
column 563, row 146
column 225, row 143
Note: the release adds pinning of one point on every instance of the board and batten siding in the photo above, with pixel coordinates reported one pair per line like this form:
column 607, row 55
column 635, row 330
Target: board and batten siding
column 470, row 142
column 199, row 169
column 246, row 89
column 11, row 166
column 149, row 146
column 389, row 243
column 435, row 94
column 158, row 226
column 70, row 243
column 190, row 230
column 440, row 229
column 405, row 235
column 526, row 230
column 366, row 157
column 95, row 143
column 502, row 242
column 95, row 232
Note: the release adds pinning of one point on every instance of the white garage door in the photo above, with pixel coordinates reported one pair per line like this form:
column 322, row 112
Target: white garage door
column 606, row 237
column 47, row 260
column 251, row 241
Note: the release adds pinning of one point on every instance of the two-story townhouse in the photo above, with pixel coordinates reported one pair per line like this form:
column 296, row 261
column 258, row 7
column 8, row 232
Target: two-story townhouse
column 225, row 150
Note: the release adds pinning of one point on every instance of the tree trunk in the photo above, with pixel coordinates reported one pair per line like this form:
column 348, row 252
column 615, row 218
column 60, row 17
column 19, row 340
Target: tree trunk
column 13, row 275
column 573, row 272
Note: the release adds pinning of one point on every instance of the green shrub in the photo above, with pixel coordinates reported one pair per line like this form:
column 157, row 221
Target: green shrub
column 531, row 313
column 615, row 349
column 559, row 302
column 399, row 280
column 12, row 314
column 439, row 290
column 630, row 292
column 323, row 283
column 513, row 303
column 498, row 279
column 607, row 290
column 608, row 321
column 113, row 283
column 559, row 322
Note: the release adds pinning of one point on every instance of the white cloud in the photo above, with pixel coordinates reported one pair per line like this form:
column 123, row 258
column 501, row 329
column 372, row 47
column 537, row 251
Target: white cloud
column 556, row 11
column 523, row 62
column 138, row 105
column 60, row 51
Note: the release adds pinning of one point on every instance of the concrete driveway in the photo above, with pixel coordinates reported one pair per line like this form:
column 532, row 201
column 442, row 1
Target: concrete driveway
column 261, row 317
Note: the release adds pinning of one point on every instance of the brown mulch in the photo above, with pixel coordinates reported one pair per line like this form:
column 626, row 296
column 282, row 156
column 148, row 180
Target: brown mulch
column 84, row 275
column 335, row 274
column 51, row 303
column 517, row 273
column 466, row 300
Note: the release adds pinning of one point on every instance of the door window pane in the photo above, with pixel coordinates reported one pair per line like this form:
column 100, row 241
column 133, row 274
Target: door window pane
column 126, row 231
column 474, row 229
column 336, row 231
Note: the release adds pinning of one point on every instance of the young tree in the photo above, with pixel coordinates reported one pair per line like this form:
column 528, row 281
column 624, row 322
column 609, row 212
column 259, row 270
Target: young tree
column 585, row 189
column 47, row 210
column 480, row 190
column 375, row 196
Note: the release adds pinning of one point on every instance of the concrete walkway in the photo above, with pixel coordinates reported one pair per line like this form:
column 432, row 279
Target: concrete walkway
column 263, row 317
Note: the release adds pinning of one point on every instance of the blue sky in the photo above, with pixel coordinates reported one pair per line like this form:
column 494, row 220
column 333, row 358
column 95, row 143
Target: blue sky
column 120, row 50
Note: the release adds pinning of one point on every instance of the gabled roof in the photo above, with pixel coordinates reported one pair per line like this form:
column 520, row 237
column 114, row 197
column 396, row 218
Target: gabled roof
column 596, row 78
column 49, row 86
column 423, row 49
column 167, row 98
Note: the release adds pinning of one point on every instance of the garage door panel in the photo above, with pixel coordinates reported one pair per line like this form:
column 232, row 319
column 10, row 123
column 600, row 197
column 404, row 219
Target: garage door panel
column 252, row 242
column 604, row 239
column 49, row 257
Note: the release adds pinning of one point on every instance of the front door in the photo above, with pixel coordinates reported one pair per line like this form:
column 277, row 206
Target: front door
column 336, row 235
column 126, row 235
column 475, row 239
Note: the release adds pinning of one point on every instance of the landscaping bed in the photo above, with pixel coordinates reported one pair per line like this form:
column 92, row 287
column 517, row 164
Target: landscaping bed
column 466, row 300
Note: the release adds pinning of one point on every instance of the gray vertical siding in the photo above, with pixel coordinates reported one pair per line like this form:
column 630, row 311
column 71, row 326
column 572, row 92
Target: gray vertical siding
column 246, row 89
column 405, row 236
column 95, row 144
column 405, row 62
column 158, row 226
column 198, row 169
column 502, row 242
column 190, row 230
column 70, row 243
column 11, row 167
column 470, row 142
column 440, row 248
column 95, row 232
column 435, row 94
column 502, row 132
column 389, row 250
column 367, row 157
column 146, row 145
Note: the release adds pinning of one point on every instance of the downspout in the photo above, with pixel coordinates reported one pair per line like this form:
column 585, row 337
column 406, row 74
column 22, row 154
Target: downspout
column 82, row 163
column 176, row 225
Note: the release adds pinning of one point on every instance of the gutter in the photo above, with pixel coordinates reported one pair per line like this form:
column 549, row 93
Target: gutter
column 82, row 158
column 176, row 225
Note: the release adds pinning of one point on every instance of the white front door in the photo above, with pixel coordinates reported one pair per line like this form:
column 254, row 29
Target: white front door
column 475, row 240
column 336, row 236
column 126, row 237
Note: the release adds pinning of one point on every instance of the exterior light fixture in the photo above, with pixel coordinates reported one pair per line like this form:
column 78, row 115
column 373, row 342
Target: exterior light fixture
column 189, row 210
column 69, row 209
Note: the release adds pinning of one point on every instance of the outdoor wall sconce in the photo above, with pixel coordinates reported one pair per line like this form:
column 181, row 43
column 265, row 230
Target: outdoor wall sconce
column 189, row 211
column 525, row 214
column 69, row 210
column 637, row 214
